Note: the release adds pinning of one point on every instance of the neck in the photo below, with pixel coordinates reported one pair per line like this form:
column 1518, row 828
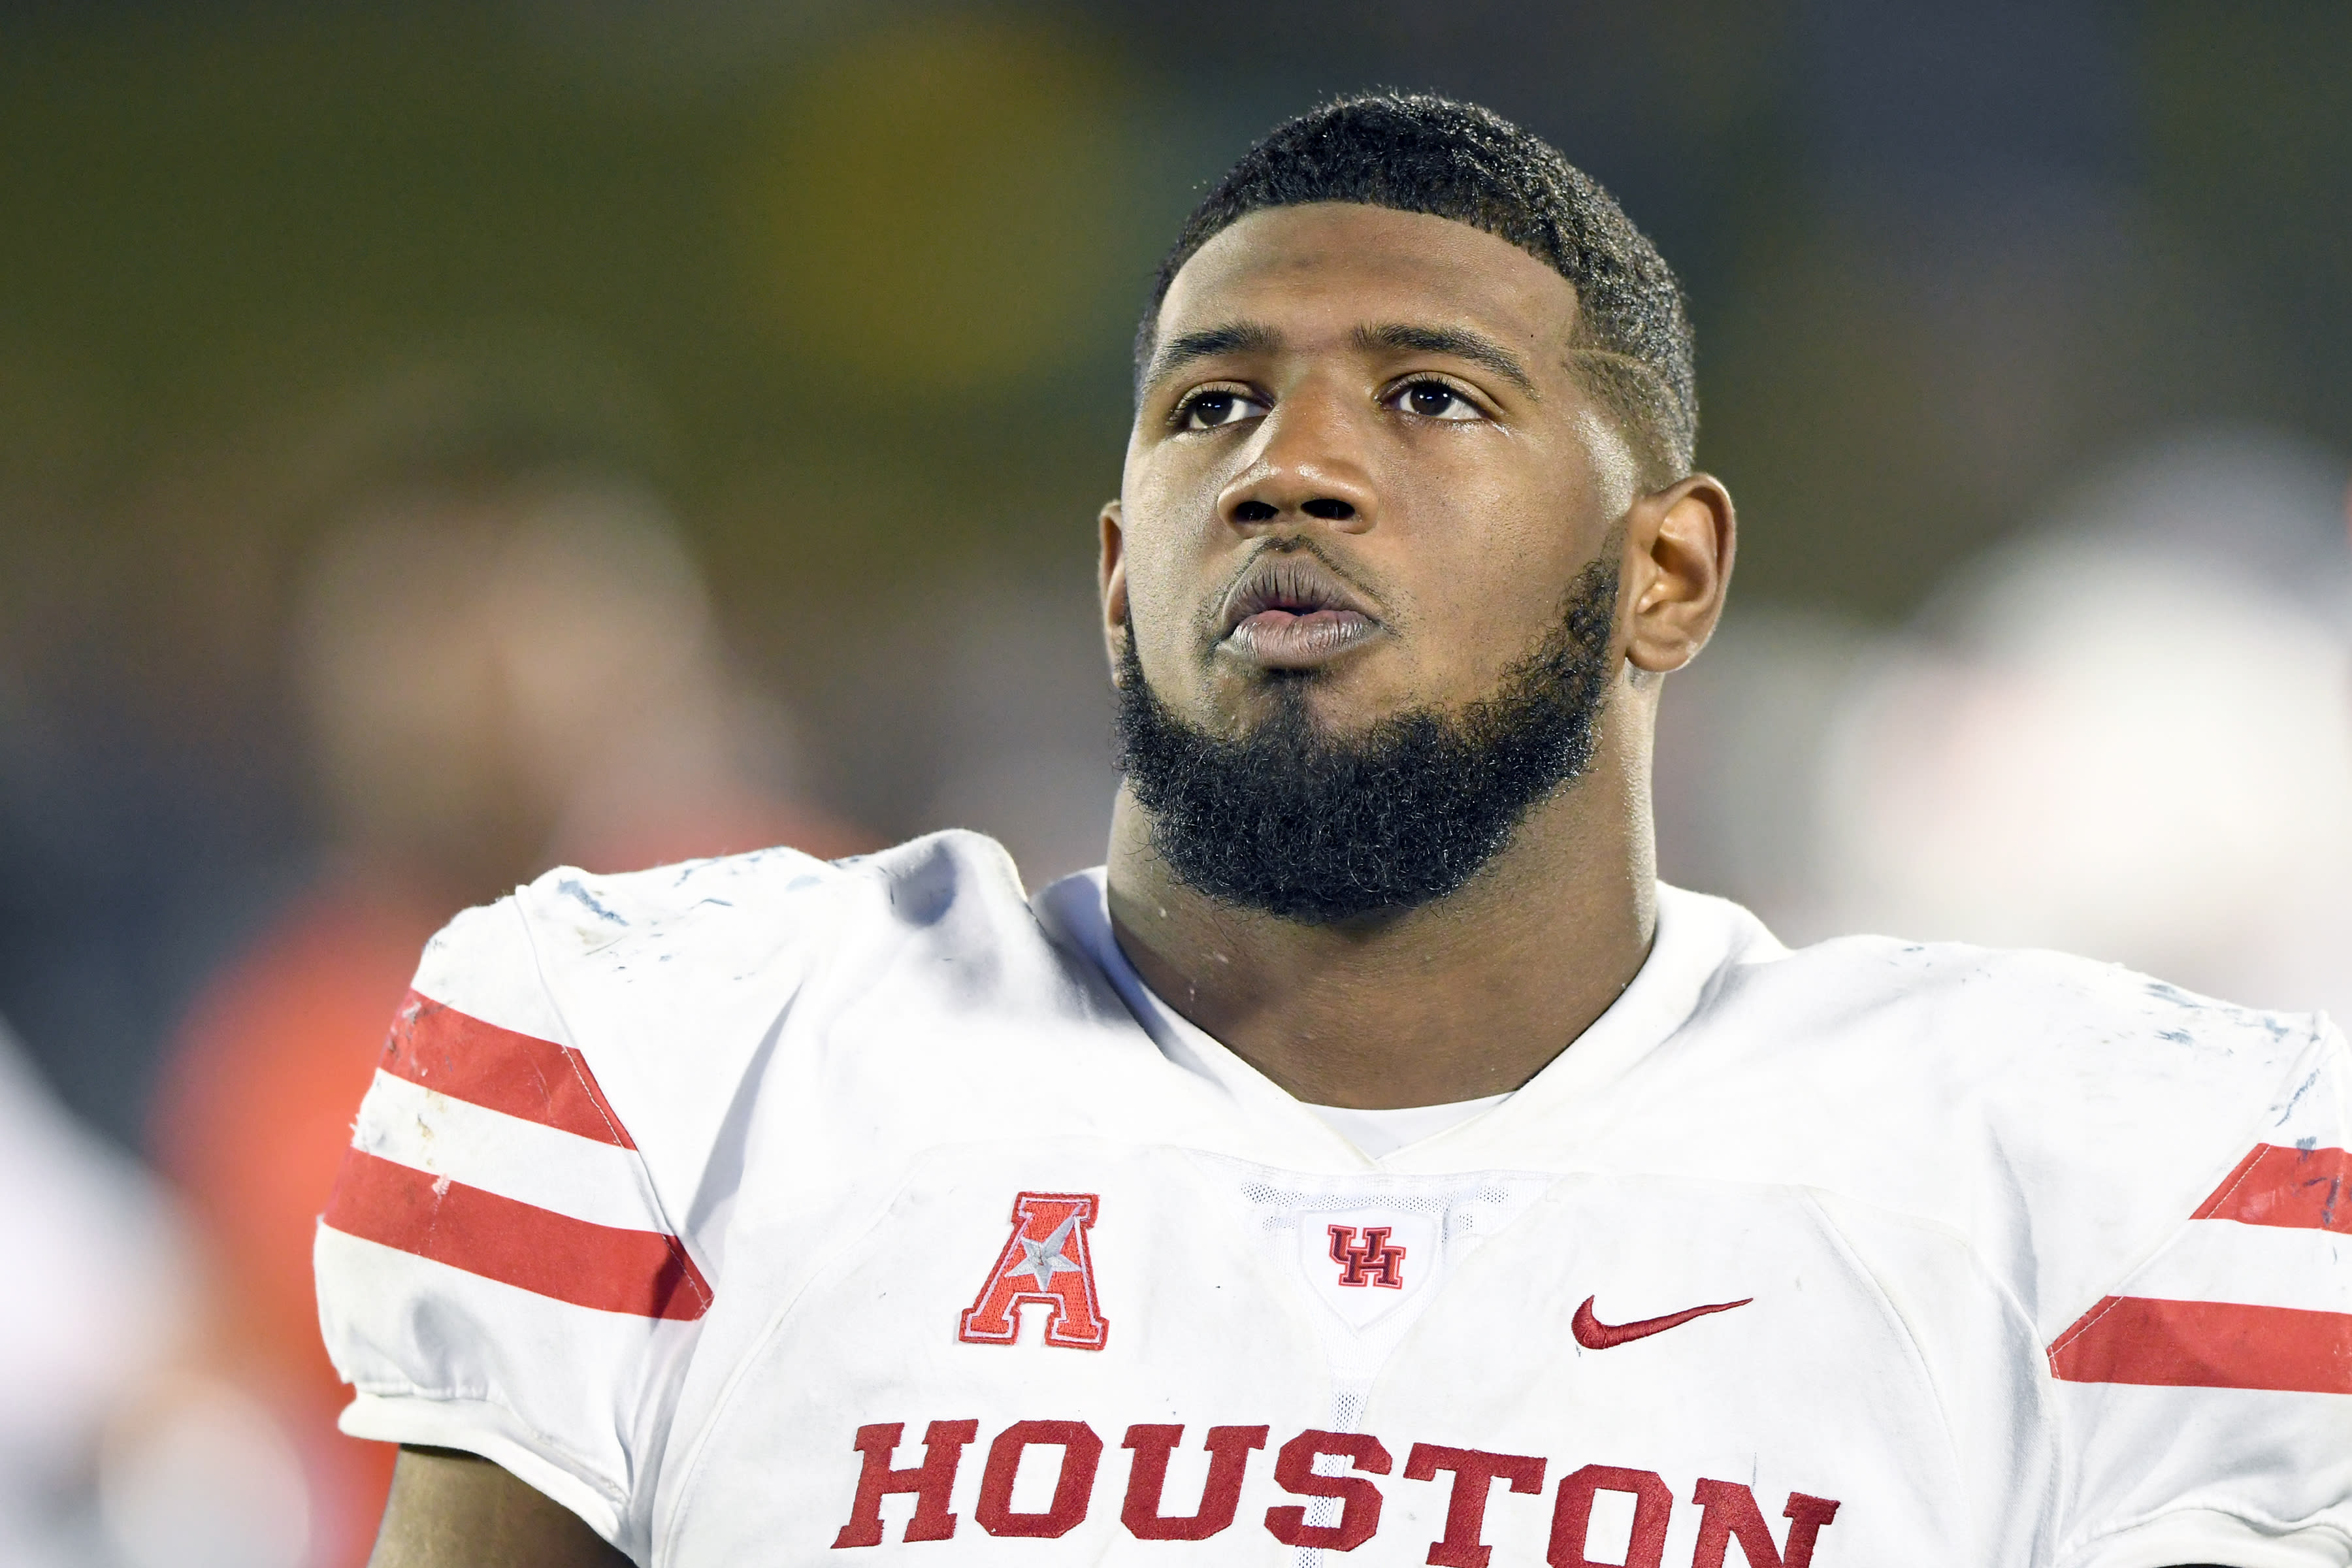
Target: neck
column 1459, row 999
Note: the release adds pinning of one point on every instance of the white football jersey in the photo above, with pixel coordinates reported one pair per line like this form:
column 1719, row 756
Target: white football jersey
column 768, row 1211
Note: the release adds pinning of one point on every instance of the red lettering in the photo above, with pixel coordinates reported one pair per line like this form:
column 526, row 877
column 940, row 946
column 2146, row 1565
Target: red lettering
column 1731, row 1514
column 1371, row 1261
column 1045, row 1260
column 1359, row 1508
column 1572, row 1516
column 1728, row 1511
column 1475, row 1474
column 1228, row 1450
column 1081, row 1452
column 932, row 1481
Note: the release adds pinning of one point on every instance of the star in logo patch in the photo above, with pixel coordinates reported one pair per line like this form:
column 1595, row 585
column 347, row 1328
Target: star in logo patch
column 1045, row 1258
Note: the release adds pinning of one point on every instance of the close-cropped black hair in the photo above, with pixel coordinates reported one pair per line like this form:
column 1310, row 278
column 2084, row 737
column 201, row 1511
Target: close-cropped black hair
column 1418, row 152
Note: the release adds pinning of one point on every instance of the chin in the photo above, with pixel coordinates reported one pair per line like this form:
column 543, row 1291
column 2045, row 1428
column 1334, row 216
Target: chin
column 1314, row 699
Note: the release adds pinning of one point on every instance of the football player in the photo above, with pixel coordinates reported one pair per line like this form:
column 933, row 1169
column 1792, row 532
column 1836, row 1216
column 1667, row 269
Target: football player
column 1373, row 1158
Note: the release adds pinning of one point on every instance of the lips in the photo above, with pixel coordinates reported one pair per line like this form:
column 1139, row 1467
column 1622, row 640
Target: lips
column 1292, row 612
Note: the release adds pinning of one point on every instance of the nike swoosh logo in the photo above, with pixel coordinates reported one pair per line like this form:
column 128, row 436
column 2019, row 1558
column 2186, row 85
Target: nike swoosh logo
column 1595, row 1335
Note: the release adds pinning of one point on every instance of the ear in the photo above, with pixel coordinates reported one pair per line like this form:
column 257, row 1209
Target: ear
column 1110, row 580
column 1679, row 543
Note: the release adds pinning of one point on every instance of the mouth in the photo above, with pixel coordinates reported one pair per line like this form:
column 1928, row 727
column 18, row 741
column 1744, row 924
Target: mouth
column 1292, row 612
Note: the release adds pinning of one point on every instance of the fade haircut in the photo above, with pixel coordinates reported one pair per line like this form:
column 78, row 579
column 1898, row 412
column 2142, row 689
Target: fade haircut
column 1417, row 152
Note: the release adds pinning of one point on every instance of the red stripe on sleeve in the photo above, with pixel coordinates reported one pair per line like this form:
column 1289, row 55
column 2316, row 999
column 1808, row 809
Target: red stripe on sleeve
column 435, row 1045
column 2207, row 1344
column 641, row 1272
column 2302, row 1188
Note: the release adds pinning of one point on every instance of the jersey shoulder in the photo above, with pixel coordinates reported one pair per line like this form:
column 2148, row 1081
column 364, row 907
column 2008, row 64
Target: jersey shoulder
column 2050, row 1025
column 761, row 919
column 668, row 983
column 2068, row 1116
column 532, row 1221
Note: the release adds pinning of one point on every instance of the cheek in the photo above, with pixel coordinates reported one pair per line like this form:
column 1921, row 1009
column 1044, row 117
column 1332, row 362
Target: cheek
column 1176, row 555
column 1143, row 538
column 1163, row 596
column 1156, row 609
column 1493, row 556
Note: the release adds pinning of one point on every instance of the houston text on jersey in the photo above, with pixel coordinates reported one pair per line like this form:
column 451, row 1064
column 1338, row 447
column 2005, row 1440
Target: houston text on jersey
column 1729, row 1510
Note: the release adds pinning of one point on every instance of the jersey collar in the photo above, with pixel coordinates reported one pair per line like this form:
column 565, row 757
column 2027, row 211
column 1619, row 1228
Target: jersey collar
column 1697, row 938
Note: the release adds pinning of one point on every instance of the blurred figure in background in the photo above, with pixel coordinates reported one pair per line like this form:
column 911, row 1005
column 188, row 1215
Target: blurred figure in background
column 507, row 660
column 2126, row 733
column 92, row 1339
column 123, row 1444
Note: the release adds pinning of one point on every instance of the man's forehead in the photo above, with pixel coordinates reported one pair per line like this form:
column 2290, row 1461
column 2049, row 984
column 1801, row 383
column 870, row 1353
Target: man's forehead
column 1340, row 265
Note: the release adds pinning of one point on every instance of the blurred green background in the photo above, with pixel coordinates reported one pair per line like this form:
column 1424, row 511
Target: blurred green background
column 855, row 285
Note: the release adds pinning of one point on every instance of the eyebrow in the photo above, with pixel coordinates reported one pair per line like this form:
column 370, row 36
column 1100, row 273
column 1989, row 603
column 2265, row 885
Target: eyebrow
column 1256, row 337
column 1456, row 342
column 1233, row 337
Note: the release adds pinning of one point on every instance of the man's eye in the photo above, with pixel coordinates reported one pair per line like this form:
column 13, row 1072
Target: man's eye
column 1434, row 400
column 1207, row 410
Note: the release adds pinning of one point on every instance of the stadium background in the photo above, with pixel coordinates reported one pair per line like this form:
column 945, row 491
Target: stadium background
column 2022, row 326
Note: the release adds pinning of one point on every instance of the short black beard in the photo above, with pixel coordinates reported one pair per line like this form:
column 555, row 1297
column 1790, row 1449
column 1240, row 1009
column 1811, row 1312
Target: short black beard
column 1321, row 828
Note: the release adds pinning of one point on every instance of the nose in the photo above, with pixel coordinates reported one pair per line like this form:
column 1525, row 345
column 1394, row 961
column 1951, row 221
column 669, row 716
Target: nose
column 1309, row 463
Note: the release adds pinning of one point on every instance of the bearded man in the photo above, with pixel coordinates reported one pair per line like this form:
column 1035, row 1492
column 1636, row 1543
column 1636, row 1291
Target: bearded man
column 1373, row 1157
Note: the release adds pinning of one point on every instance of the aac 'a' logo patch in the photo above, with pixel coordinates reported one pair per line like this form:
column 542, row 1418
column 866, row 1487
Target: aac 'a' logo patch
column 1045, row 1261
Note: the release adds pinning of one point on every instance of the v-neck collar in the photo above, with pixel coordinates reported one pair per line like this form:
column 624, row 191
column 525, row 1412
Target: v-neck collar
column 1696, row 938
column 1078, row 908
